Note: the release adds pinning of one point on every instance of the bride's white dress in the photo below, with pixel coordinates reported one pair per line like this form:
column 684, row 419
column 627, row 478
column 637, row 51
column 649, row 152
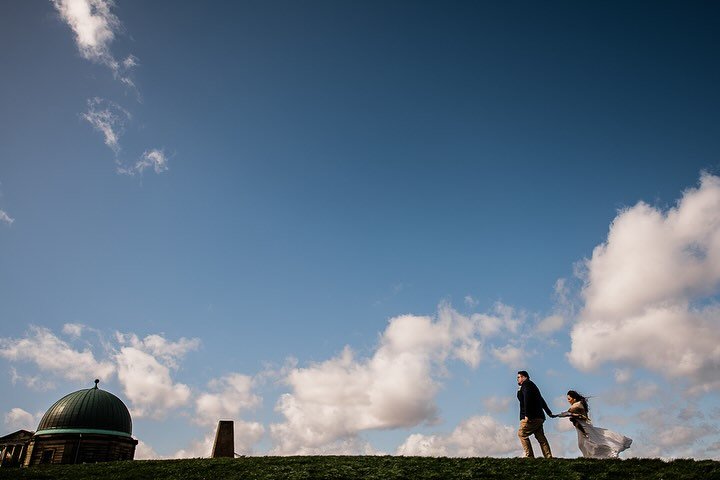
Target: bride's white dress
column 599, row 442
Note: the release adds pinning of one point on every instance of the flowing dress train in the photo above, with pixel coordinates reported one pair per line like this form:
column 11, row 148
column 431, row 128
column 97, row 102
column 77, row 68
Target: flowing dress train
column 596, row 442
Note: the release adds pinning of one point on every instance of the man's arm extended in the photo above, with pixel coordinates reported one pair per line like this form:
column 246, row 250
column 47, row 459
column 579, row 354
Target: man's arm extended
column 545, row 406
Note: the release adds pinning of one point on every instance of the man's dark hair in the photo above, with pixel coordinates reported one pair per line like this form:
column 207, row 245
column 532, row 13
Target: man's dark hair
column 524, row 373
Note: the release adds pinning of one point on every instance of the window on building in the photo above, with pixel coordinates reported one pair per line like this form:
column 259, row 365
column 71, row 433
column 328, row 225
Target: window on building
column 47, row 456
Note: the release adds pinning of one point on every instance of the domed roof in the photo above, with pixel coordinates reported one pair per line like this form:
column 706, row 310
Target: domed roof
column 87, row 411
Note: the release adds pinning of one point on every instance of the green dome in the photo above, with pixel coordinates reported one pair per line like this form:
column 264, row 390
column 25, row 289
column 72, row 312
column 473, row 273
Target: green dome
column 87, row 411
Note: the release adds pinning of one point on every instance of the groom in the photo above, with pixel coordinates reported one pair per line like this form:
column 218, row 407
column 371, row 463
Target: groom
column 532, row 417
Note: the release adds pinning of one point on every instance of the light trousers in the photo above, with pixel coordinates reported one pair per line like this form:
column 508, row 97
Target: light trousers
column 534, row 426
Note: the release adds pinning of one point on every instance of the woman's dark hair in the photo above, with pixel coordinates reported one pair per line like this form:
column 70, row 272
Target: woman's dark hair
column 579, row 398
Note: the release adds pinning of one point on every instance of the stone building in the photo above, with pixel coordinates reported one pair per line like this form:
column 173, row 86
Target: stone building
column 86, row 426
column 13, row 448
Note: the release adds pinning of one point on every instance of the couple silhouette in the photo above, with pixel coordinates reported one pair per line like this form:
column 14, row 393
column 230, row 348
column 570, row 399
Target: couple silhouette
column 593, row 442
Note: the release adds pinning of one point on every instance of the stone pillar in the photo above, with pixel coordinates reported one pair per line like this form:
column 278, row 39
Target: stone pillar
column 28, row 453
column 2, row 459
column 224, row 445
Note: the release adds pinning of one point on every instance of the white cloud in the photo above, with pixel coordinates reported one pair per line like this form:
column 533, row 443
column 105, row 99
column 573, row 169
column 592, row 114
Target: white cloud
column 351, row 445
column 35, row 382
column 650, row 288
column 478, row 436
column 497, row 404
column 334, row 400
column 147, row 383
column 690, row 412
column 51, row 354
column 143, row 451
column 683, row 435
column 73, row 329
column 157, row 345
column 564, row 425
column 503, row 319
column 95, row 25
column 5, row 218
column 560, row 402
column 108, row 118
column 550, row 324
column 470, row 301
column 198, row 448
column 143, row 365
column 230, row 394
column 510, row 355
column 662, row 434
column 247, row 435
column 640, row 391
column 563, row 309
column 144, row 370
column 154, row 159
column 623, row 375
column 130, row 62
column 713, row 451
column 19, row 419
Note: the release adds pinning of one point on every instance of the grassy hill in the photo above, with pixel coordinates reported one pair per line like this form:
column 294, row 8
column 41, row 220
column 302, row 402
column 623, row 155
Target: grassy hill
column 367, row 468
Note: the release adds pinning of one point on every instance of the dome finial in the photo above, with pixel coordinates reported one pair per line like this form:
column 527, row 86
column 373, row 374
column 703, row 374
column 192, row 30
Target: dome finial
column 96, row 383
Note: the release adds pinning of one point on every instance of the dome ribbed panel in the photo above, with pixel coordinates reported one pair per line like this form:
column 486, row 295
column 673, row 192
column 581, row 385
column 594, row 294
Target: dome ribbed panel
column 88, row 409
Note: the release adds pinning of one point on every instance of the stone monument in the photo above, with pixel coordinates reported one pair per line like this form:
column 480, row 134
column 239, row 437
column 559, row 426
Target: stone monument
column 224, row 445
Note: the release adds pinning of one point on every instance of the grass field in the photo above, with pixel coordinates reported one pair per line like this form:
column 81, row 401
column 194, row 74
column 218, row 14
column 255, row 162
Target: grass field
column 367, row 468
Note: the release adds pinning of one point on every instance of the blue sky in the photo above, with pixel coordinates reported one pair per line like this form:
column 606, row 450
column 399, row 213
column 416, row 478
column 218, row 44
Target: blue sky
column 346, row 225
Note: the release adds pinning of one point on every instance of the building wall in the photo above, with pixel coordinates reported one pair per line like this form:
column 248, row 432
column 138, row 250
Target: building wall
column 79, row 448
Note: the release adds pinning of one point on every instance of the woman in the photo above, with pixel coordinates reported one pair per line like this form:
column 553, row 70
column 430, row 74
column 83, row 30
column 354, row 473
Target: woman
column 594, row 442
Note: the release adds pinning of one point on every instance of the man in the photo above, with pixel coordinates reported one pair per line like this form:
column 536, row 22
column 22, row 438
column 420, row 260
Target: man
column 532, row 417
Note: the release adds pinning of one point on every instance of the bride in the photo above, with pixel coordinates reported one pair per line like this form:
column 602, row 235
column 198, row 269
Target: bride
column 594, row 442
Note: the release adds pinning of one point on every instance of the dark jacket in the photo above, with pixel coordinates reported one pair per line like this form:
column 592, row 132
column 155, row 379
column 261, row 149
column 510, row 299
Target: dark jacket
column 532, row 403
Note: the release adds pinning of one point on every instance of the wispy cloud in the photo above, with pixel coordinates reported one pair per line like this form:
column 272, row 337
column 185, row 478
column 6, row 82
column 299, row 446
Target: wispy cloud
column 497, row 404
column 154, row 159
column 95, row 26
column 108, row 118
column 471, row 302
column 35, row 382
column 19, row 419
column 5, row 218
column 73, row 329
column 510, row 355
column 52, row 354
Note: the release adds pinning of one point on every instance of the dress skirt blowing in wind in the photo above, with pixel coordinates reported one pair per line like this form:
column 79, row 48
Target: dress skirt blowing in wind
column 600, row 442
column 593, row 442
